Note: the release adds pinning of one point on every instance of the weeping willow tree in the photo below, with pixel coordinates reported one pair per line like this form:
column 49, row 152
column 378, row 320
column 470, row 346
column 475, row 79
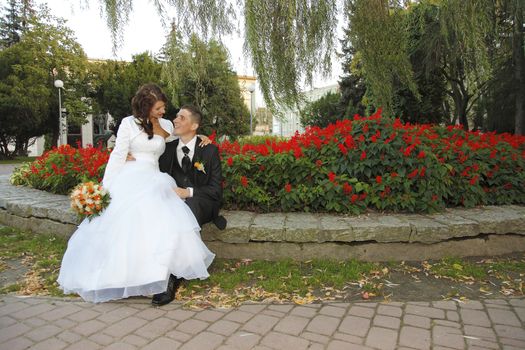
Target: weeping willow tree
column 288, row 41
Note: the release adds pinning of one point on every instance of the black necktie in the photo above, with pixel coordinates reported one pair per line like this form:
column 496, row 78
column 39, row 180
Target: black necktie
column 186, row 162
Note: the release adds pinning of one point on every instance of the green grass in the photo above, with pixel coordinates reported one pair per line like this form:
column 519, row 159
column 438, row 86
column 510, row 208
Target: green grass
column 42, row 252
column 459, row 269
column 17, row 160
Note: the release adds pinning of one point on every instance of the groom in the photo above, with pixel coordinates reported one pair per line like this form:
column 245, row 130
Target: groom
column 197, row 171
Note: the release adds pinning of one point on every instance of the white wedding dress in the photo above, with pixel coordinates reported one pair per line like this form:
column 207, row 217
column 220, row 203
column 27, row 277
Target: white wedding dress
column 144, row 235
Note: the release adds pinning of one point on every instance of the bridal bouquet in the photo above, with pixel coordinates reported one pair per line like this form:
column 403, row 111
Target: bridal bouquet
column 89, row 199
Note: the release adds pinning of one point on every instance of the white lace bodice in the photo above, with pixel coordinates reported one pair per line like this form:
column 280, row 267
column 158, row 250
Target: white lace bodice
column 132, row 139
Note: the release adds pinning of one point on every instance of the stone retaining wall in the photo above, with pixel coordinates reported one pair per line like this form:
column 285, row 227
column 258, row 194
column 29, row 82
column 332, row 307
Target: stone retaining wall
column 487, row 230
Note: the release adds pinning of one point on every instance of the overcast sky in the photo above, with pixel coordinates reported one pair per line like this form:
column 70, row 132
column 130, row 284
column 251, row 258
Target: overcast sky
column 144, row 32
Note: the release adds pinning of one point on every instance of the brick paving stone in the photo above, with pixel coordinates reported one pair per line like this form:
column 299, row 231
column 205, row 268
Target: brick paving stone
column 361, row 311
column 417, row 321
column 332, row 311
column 448, row 336
column 209, row 315
column 452, row 316
column 260, row 347
column 61, row 312
column 447, row 323
column 18, row 343
column 389, row 310
column 179, row 336
column 84, row 315
column 503, row 317
column 224, row 327
column 381, row 338
column 479, row 332
column 348, row 338
column 65, row 323
column 293, row 325
column 13, row 331
column 475, row 317
column 192, row 326
column 315, row 337
column 254, row 309
column 340, row 345
column 42, row 333
column 105, row 307
column 512, row 342
column 323, row 325
column 6, row 321
column 481, row 344
column 117, row 314
column 419, row 303
column 425, row 311
column 125, row 326
column 520, row 311
column 102, row 339
column 280, row 341
column 164, row 344
column 11, row 308
column 445, row 304
column 50, row 344
column 243, row 340
column 281, row 308
column 505, row 331
column 84, row 344
column 417, row 338
column 32, row 311
column 272, row 313
column 151, row 313
column 135, row 340
column 260, row 324
column 316, row 346
column 35, row 322
column 69, row 337
column 121, row 346
column 355, row 325
column 373, row 305
column 180, row 315
column 496, row 301
column 386, row 321
column 471, row 304
column 517, row 302
column 238, row 316
column 303, row 311
column 156, row 328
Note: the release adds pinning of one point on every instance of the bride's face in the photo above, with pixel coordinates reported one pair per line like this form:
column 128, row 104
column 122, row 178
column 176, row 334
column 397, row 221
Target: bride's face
column 158, row 110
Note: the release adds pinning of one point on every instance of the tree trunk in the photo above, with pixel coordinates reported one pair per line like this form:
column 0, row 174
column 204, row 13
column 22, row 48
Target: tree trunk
column 519, row 62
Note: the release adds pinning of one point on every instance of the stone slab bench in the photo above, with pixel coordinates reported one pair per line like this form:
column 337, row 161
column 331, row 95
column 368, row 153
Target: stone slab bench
column 488, row 230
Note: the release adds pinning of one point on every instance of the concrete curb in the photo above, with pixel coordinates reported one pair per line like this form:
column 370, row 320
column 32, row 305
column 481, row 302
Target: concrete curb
column 464, row 232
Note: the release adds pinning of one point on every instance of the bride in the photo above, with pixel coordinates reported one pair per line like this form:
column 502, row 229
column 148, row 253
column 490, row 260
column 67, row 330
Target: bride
column 147, row 233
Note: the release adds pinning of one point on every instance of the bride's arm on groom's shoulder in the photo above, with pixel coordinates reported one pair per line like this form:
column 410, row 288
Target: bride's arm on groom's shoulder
column 118, row 156
column 169, row 128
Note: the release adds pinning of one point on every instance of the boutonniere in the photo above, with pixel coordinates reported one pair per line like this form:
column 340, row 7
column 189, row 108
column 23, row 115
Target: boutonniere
column 199, row 166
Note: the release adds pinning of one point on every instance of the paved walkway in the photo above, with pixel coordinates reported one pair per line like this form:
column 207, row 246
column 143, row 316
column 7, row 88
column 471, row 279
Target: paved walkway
column 55, row 324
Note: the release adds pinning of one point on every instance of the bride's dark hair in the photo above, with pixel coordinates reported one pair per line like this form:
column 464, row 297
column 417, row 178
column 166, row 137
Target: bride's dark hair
column 143, row 102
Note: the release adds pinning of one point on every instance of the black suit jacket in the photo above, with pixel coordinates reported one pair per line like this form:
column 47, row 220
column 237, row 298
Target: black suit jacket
column 207, row 186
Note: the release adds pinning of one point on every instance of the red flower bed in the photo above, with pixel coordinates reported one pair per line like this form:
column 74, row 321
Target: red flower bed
column 375, row 162
column 347, row 167
column 62, row 168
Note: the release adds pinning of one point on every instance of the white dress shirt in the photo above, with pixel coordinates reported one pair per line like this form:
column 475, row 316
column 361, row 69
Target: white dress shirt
column 180, row 154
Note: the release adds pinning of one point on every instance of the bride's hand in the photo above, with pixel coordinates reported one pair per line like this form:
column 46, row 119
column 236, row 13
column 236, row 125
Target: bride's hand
column 183, row 193
column 130, row 157
column 205, row 140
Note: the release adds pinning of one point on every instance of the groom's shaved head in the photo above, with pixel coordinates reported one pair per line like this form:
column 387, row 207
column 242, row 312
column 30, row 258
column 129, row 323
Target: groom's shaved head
column 196, row 114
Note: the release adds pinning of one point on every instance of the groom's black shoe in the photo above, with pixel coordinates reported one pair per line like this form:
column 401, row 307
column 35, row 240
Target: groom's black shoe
column 220, row 222
column 168, row 296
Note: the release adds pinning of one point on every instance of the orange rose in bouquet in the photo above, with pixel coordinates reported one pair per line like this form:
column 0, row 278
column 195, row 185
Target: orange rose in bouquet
column 89, row 199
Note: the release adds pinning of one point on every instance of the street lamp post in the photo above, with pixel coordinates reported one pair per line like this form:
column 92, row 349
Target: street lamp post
column 251, row 89
column 62, row 122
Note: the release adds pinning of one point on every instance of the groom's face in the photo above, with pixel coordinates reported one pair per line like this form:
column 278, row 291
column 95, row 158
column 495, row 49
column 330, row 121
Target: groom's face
column 184, row 123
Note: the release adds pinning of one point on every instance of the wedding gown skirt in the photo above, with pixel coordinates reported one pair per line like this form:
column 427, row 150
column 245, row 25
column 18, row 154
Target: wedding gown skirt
column 144, row 235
